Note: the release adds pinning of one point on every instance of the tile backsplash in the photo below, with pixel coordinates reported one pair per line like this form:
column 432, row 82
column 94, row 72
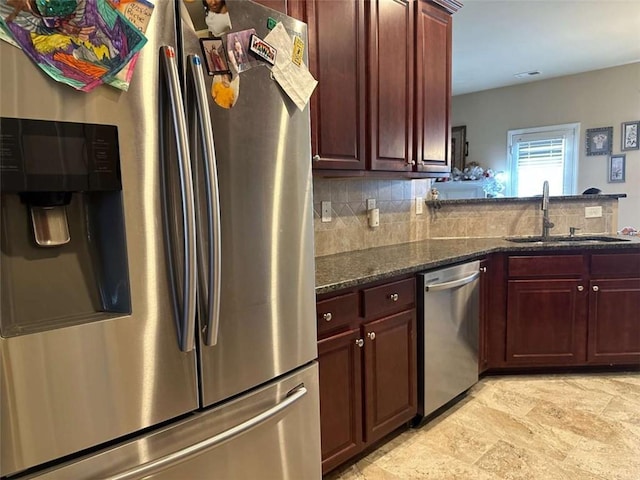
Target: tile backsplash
column 349, row 229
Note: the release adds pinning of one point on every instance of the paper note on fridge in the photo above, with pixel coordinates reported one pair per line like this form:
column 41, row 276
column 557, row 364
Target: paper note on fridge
column 295, row 80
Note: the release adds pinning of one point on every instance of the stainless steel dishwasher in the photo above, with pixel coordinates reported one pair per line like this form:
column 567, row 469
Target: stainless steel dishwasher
column 448, row 334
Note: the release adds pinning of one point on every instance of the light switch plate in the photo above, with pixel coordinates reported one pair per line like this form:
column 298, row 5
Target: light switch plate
column 419, row 205
column 326, row 211
column 371, row 203
column 592, row 212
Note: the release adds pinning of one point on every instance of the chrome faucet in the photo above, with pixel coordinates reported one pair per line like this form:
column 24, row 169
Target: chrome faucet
column 546, row 223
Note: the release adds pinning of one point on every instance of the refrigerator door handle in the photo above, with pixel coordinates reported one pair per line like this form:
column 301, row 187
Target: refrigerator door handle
column 212, row 201
column 187, row 324
column 183, row 455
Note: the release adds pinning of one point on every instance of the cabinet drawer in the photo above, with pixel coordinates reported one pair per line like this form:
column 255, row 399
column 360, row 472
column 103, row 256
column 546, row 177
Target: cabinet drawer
column 337, row 311
column 545, row 265
column 618, row 264
column 389, row 298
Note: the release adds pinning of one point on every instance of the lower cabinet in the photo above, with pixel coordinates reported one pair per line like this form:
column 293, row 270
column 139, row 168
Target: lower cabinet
column 614, row 309
column 573, row 309
column 546, row 322
column 368, row 379
column 389, row 373
column 340, row 361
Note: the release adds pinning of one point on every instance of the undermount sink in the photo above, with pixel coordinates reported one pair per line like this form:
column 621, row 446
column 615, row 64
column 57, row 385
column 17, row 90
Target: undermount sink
column 576, row 239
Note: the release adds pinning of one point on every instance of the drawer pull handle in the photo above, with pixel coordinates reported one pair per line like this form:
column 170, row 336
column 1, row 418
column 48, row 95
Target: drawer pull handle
column 580, row 288
column 394, row 297
column 359, row 343
column 371, row 335
column 327, row 316
column 596, row 288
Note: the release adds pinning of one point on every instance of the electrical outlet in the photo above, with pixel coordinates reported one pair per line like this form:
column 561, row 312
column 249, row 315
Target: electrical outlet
column 592, row 212
column 371, row 203
column 326, row 211
column 419, row 205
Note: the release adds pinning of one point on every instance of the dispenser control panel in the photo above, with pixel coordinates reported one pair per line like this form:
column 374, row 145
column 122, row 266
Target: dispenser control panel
column 51, row 156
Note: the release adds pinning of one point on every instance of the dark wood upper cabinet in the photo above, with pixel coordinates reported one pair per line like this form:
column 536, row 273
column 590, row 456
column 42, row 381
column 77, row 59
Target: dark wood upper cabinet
column 433, row 89
column 337, row 61
column 384, row 92
column 391, row 53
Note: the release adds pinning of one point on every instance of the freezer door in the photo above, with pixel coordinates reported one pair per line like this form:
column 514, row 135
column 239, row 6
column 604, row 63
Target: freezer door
column 267, row 292
column 271, row 433
column 67, row 389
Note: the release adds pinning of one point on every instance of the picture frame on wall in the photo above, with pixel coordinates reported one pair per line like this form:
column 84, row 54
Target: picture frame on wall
column 598, row 141
column 617, row 168
column 630, row 132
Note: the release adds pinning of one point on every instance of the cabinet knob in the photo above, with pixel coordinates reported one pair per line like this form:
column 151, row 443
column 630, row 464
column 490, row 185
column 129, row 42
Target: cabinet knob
column 371, row 335
column 483, row 269
column 580, row 288
column 327, row 317
column 394, row 297
column 359, row 343
column 595, row 288
column 316, row 158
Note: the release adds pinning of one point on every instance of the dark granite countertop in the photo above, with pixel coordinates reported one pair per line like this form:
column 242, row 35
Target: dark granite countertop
column 349, row 269
column 537, row 198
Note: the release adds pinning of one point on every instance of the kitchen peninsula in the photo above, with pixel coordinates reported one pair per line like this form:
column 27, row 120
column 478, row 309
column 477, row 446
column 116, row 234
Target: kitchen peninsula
column 585, row 292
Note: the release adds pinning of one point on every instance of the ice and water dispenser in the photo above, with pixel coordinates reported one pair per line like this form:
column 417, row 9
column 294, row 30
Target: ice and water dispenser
column 63, row 248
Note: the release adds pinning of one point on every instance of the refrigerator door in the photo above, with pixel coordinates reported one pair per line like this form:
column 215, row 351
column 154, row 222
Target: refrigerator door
column 67, row 389
column 271, row 433
column 267, row 295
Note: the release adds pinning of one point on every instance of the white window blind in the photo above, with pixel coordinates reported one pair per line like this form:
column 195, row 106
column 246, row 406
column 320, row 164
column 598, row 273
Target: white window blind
column 537, row 161
column 543, row 153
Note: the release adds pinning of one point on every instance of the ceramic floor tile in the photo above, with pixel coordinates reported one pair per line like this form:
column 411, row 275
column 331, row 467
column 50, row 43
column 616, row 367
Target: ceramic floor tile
column 623, row 410
column 580, row 423
column 609, row 461
column 420, row 461
column 457, row 441
column 556, row 389
column 627, row 386
column 536, row 427
column 525, row 432
column 510, row 462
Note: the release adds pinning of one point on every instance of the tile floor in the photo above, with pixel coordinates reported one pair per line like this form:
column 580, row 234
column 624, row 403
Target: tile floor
column 534, row 427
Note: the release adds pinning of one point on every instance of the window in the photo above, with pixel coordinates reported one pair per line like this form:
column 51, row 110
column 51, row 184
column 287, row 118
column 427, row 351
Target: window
column 543, row 153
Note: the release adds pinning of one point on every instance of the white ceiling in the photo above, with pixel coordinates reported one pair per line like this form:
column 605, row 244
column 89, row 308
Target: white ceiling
column 495, row 39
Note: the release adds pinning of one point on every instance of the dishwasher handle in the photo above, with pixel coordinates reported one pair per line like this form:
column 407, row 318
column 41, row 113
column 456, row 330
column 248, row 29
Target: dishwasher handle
column 453, row 284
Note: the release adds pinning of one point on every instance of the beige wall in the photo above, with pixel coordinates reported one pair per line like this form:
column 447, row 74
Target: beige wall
column 599, row 98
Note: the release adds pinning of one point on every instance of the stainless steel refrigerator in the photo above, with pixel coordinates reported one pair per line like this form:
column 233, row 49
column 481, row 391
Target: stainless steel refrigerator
column 159, row 323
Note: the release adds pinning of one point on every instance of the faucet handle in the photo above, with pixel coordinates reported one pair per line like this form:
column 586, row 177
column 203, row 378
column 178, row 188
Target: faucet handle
column 572, row 231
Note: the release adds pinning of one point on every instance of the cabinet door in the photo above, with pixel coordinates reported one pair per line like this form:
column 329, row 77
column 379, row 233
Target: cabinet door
column 546, row 322
column 340, row 398
column 391, row 84
column 390, row 373
column 337, row 61
column 433, row 63
column 483, row 339
column 614, row 321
